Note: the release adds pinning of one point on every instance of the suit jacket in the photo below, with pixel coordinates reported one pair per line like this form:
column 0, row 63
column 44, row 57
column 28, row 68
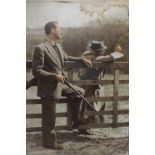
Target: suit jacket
column 46, row 65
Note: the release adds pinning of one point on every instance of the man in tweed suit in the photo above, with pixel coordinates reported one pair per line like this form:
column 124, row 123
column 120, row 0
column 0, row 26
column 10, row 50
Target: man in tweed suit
column 47, row 64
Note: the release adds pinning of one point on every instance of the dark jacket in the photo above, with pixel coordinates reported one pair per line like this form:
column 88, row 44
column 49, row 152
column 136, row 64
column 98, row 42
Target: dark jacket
column 45, row 65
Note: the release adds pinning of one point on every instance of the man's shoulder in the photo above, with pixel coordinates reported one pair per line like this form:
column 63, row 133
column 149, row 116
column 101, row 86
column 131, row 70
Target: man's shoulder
column 40, row 46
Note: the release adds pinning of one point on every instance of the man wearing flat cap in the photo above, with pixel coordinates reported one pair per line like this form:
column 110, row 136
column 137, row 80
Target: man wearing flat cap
column 95, row 52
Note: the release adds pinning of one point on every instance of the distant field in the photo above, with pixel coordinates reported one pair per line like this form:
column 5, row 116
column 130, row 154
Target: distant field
column 32, row 39
column 75, row 39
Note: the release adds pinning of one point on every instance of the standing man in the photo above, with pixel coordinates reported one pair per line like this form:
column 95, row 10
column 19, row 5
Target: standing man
column 47, row 64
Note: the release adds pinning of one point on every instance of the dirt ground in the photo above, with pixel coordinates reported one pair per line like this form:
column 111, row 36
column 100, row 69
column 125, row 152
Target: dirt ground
column 103, row 142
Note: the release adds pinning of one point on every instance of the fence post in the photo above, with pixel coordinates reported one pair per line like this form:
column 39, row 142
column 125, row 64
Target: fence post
column 115, row 95
column 70, row 75
column 69, row 114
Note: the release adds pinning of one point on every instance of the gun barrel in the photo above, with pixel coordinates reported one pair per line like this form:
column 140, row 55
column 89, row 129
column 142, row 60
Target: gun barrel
column 89, row 104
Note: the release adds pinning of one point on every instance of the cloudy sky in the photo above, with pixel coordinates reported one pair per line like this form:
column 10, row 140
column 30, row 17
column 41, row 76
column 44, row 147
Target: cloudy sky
column 69, row 14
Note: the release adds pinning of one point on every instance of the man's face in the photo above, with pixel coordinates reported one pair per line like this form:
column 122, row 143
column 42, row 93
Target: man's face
column 56, row 32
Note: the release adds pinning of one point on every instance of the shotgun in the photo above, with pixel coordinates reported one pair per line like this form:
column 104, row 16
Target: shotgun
column 84, row 99
column 33, row 82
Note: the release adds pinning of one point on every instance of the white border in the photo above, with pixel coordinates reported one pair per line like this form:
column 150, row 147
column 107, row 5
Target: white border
column 12, row 79
column 142, row 59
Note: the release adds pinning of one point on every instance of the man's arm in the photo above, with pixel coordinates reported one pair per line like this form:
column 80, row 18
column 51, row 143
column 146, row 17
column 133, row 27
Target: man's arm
column 38, row 64
column 113, row 56
column 105, row 58
column 80, row 59
column 71, row 58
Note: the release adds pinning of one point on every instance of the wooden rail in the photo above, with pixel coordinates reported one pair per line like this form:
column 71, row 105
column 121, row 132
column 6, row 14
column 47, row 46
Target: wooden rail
column 71, row 67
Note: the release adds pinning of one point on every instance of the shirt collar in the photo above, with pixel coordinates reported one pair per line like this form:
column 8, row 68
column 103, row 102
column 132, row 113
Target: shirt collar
column 52, row 44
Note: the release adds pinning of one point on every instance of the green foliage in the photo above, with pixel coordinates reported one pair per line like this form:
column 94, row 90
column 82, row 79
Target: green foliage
column 75, row 39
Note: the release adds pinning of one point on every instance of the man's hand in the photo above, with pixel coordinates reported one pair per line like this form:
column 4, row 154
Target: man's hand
column 87, row 62
column 118, row 48
column 60, row 78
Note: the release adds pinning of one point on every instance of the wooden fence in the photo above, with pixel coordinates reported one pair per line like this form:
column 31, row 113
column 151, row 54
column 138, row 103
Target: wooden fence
column 71, row 67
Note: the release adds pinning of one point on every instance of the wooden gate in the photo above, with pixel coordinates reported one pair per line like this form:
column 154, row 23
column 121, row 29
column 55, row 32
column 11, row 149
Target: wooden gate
column 115, row 98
